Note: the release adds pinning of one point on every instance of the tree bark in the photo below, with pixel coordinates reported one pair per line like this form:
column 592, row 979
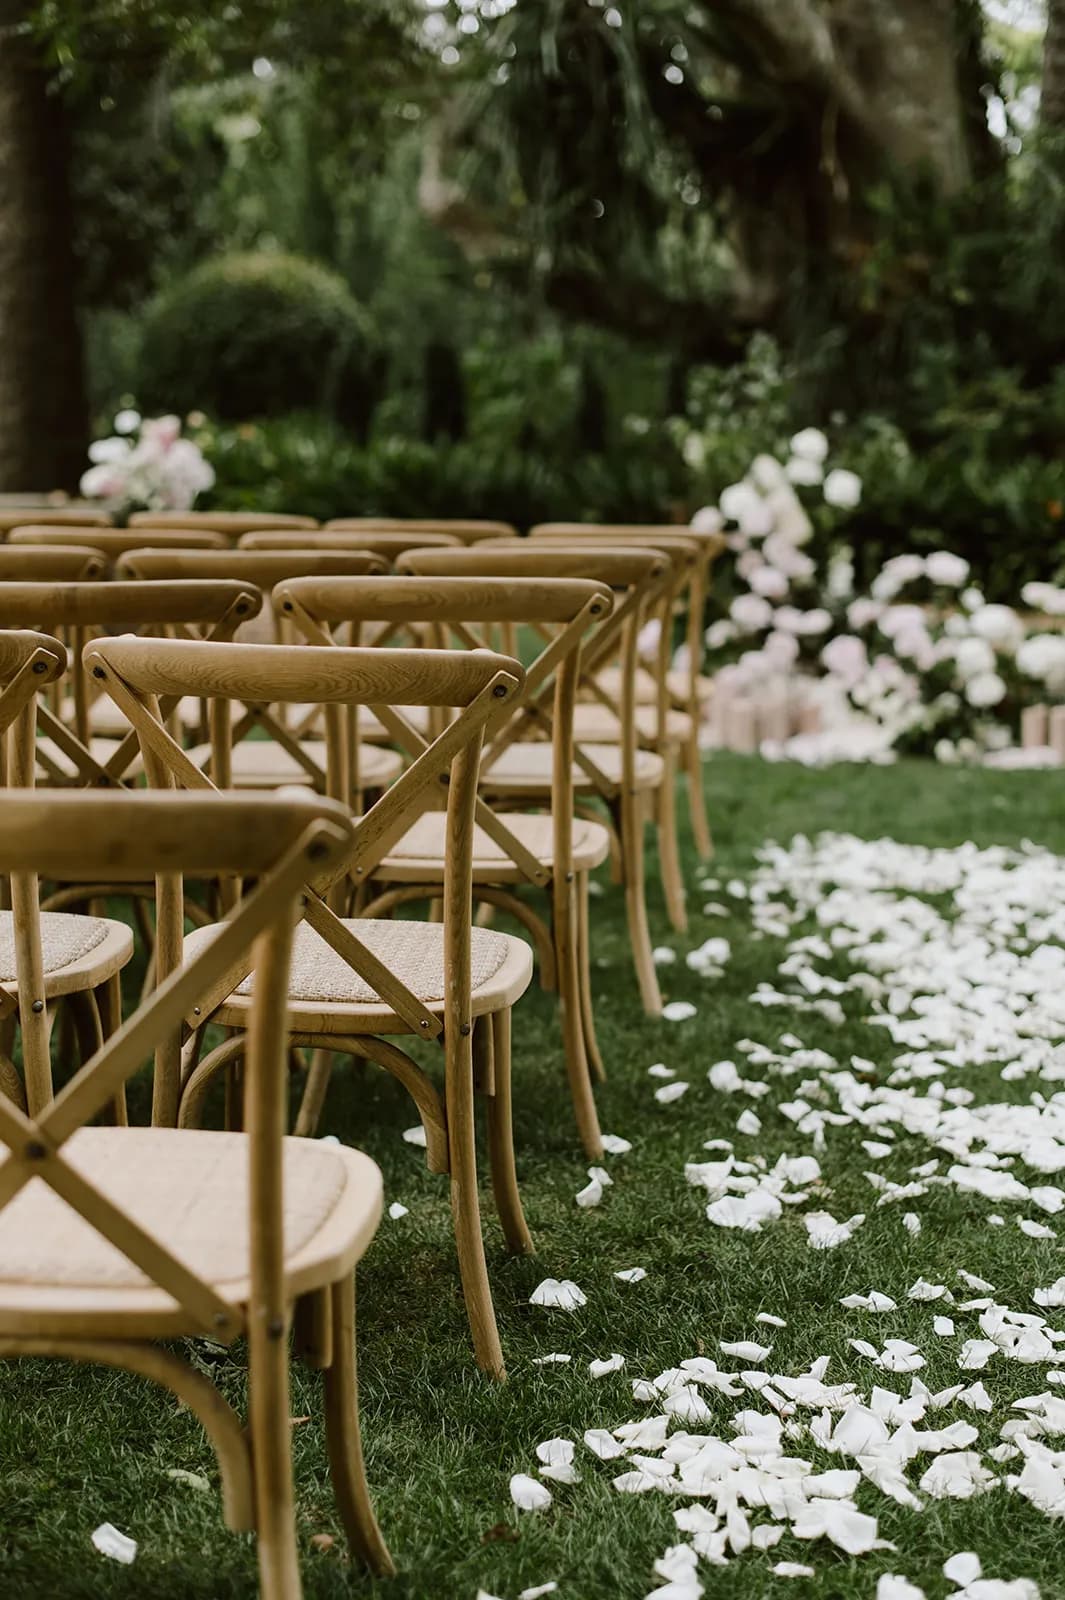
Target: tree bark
column 1052, row 108
column 43, row 411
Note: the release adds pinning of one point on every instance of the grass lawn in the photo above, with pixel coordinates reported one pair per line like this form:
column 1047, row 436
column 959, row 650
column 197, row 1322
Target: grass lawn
column 83, row 1446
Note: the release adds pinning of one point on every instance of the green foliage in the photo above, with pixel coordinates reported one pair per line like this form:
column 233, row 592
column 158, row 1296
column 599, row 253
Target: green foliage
column 257, row 335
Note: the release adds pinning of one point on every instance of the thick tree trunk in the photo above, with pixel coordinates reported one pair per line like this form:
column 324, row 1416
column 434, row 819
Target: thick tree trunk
column 43, row 413
column 1052, row 110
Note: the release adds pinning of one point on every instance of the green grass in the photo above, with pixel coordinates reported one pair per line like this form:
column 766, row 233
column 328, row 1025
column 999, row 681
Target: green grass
column 80, row 1446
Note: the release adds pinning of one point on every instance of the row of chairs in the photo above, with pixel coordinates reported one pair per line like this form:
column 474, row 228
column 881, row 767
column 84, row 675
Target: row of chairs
column 481, row 804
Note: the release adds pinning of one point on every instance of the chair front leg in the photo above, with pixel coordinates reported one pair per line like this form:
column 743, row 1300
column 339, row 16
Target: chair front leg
column 465, row 1206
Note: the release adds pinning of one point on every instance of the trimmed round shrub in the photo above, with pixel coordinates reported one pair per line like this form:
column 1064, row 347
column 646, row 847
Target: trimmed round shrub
column 258, row 335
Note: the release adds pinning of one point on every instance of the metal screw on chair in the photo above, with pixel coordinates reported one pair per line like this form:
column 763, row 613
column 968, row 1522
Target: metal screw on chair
column 98, row 672
column 38, row 1007
column 34, row 1150
column 40, row 666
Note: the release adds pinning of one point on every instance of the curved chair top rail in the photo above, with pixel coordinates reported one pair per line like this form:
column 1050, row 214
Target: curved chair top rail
column 231, row 523
column 330, row 675
column 262, row 567
column 442, row 599
column 23, row 648
column 127, row 603
column 29, row 563
column 42, row 516
column 78, row 835
column 114, row 541
column 389, row 542
column 618, row 568
column 468, row 532
column 664, row 535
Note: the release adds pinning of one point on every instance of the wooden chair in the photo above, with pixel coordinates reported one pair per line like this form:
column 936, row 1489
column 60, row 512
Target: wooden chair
column 79, row 516
column 388, row 543
column 115, row 542
column 78, row 745
column 552, row 852
column 464, row 531
column 356, row 982
column 112, row 1238
column 631, row 782
column 55, row 957
column 294, row 752
column 231, row 523
column 688, row 691
column 29, row 563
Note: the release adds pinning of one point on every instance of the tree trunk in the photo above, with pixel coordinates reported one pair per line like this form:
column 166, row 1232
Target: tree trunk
column 43, row 412
column 1052, row 110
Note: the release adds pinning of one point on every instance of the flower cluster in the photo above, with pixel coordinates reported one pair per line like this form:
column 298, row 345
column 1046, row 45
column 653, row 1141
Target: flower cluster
column 917, row 661
column 157, row 470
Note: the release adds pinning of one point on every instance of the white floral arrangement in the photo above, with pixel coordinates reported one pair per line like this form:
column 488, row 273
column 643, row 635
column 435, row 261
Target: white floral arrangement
column 146, row 465
column 919, row 662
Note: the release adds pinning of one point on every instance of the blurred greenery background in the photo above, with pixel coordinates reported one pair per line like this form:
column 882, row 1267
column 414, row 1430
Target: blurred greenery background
column 548, row 258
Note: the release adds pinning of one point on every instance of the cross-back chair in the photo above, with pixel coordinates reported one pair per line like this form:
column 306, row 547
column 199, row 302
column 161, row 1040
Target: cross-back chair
column 464, row 530
column 551, row 851
column 688, row 690
column 357, row 983
column 52, row 958
column 79, row 744
column 115, row 542
column 386, row 542
column 629, row 781
column 231, row 523
column 29, row 563
column 112, row 1238
column 79, row 516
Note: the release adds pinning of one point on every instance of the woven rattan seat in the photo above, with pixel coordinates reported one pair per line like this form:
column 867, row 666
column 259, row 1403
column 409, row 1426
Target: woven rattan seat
column 64, row 938
column 598, row 724
column 523, row 767
column 264, row 764
column 189, row 1192
column 421, row 849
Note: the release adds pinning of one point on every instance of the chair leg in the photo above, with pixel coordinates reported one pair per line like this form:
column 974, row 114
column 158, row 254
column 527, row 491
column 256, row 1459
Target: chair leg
column 501, row 1138
column 569, row 991
column 465, row 1206
column 668, row 852
column 693, row 761
column 584, row 975
column 636, row 906
column 270, row 1437
column 314, row 1093
column 344, row 1440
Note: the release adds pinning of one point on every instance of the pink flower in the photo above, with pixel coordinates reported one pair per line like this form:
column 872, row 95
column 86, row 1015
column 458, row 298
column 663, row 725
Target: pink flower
column 769, row 583
column 900, row 619
column 747, row 564
column 861, row 613
column 161, row 431
column 780, row 650
column 846, row 658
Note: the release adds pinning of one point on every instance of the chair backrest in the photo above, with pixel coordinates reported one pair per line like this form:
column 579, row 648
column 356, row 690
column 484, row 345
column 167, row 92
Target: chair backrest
column 136, row 672
column 231, row 523
column 556, row 615
column 639, row 578
column 33, row 563
column 129, row 837
column 387, row 542
column 204, row 608
column 81, row 516
column 114, row 542
column 264, row 568
column 466, row 531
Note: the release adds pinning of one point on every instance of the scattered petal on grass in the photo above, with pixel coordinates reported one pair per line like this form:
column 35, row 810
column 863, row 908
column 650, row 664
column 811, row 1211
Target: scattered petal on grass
column 911, row 1222
column 826, row 1233
column 792, row 1569
column 943, row 1326
column 670, row 1092
column 115, row 1545
column 538, row 1591
column 527, row 1494
column 770, row 1320
column 678, row 1011
column 963, row 1569
column 744, row 1349
column 660, row 1070
column 590, row 1195
column 958, row 1475
column 415, row 1135
column 663, row 956
column 558, row 1295
column 631, row 1274
column 396, row 1211
column 600, row 1369
column 873, row 1301
column 749, row 1124
column 893, row 1587
column 193, row 1480
column 601, row 1443
column 614, row 1145
column 552, row 1359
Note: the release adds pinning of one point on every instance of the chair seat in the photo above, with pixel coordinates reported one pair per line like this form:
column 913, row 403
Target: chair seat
column 371, row 727
column 678, row 684
column 265, row 764
column 597, row 724
column 526, row 769
column 106, row 720
column 79, row 951
column 100, row 749
column 327, row 995
column 189, row 1189
column 421, row 852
